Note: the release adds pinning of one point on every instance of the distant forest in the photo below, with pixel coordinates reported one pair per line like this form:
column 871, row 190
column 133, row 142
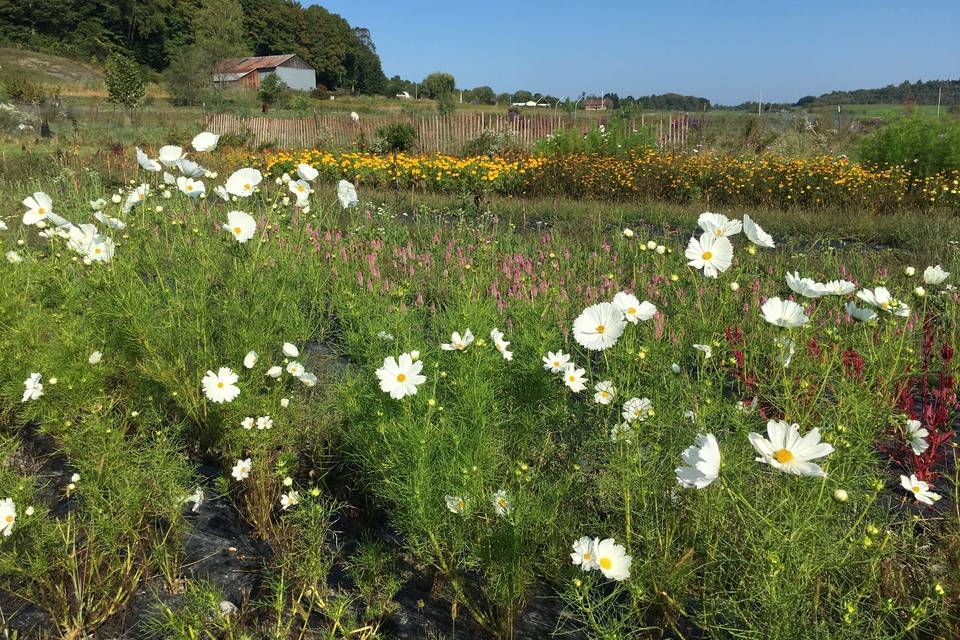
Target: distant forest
column 918, row 92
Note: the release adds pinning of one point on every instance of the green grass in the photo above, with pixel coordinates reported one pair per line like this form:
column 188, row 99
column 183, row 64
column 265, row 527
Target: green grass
column 757, row 554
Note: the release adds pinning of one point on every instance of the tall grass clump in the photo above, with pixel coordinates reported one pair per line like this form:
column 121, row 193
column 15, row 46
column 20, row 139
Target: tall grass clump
column 923, row 144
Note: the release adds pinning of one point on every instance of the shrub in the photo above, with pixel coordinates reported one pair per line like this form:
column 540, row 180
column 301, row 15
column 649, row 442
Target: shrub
column 125, row 83
column 923, row 145
column 396, row 138
column 20, row 87
column 271, row 90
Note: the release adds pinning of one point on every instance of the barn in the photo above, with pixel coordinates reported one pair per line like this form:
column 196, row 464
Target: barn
column 249, row 72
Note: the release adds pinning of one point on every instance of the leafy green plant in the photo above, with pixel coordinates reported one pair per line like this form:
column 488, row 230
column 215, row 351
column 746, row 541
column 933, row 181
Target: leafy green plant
column 922, row 144
column 125, row 82
column 396, row 138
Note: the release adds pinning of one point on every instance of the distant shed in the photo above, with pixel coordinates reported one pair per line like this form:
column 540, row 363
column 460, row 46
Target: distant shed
column 250, row 72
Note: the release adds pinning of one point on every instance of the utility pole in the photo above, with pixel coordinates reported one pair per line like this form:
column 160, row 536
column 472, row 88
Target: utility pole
column 939, row 93
column 760, row 105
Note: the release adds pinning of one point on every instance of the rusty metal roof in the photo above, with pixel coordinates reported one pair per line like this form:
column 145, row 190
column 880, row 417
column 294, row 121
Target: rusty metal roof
column 243, row 66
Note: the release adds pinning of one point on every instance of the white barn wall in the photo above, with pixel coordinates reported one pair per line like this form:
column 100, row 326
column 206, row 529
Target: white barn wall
column 300, row 79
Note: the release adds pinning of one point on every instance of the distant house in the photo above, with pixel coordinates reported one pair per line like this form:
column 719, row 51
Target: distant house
column 405, row 95
column 250, row 72
column 597, row 104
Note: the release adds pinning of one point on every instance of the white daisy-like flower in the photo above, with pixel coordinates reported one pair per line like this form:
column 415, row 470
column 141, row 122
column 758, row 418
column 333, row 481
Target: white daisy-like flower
column 13, row 257
column 632, row 309
column 146, row 163
column 458, row 342
column 205, row 141
column 243, row 182
column 599, row 326
column 32, row 387
column 301, row 190
column 306, row 172
column 787, row 451
column 784, row 313
column 881, row 299
column 399, row 377
column 241, row 225
column 718, row 224
column 935, row 275
column 112, row 223
column 192, row 188
column 197, row 498
column 347, row 194
column 264, row 423
column 241, row 470
column 706, row 349
column 556, row 362
column 455, row 504
column 170, row 154
column 190, row 169
column 39, row 207
column 712, row 253
column 308, row 379
column 8, row 516
column 95, row 358
column 250, row 360
column 863, row 314
column 919, row 489
column 248, row 423
column 702, row 461
column 637, row 409
column 221, row 386
column 296, row 369
column 756, row 235
column 289, row 499
column 290, row 350
column 917, row 437
column 275, row 371
column 839, row 287
column 621, row 432
column 501, row 503
column 806, row 287
column 574, row 378
column 612, row 560
column 497, row 337
column 584, row 555
column 605, row 392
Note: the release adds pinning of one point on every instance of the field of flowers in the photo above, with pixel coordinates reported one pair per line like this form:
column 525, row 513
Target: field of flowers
column 720, row 180
column 427, row 424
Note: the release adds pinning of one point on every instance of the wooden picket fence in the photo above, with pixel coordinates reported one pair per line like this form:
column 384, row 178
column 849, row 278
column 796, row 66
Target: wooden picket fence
column 434, row 133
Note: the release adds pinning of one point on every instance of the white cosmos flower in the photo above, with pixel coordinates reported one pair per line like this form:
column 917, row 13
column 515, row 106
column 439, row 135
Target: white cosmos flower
column 205, row 141
column 275, row 371
column 355, row 116
column 455, row 504
column 8, row 515
column 169, row 155
column 935, row 275
column 308, row 379
column 706, row 349
column 295, row 369
column 32, row 387
column 839, row 287
column 864, row 314
column 785, row 349
column 289, row 499
column 702, row 461
column 347, row 194
column 95, row 358
column 111, row 223
column 920, row 489
column 605, row 392
column 806, row 287
column 783, row 313
column 196, row 498
column 135, row 197
column 599, row 326
column 497, row 336
column 242, row 182
column 556, row 362
column 637, row 409
column 632, row 309
column 756, row 235
column 13, row 257
column 264, row 422
column 621, row 432
column 501, row 503
column 221, row 386
column 574, row 378
column 584, row 555
column 146, row 163
column 399, row 377
column 787, row 451
column 718, row 224
column 612, row 560
column 917, row 437
column 169, row 178
column 881, row 299
column 458, row 342
column 713, row 254
column 248, row 423
column 222, row 193
column 241, row 470
column 190, row 169
column 189, row 186
column 290, row 350
column 250, row 360
column 301, row 189
column 39, row 207
column 306, row 172
column 241, row 225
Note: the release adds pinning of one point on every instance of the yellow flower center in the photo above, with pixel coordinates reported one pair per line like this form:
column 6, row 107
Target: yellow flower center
column 300, row 188
column 783, row 456
column 707, row 255
column 98, row 251
column 601, row 328
column 556, row 363
column 587, row 557
column 41, row 211
column 237, row 230
column 631, row 311
column 8, row 518
column 719, row 232
column 189, row 187
column 246, row 185
column 502, row 503
column 606, row 563
column 604, row 394
column 401, row 377
column 219, row 385
column 915, row 488
column 572, row 378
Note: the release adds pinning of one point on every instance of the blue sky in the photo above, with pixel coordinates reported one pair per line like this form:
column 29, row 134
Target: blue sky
column 728, row 51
